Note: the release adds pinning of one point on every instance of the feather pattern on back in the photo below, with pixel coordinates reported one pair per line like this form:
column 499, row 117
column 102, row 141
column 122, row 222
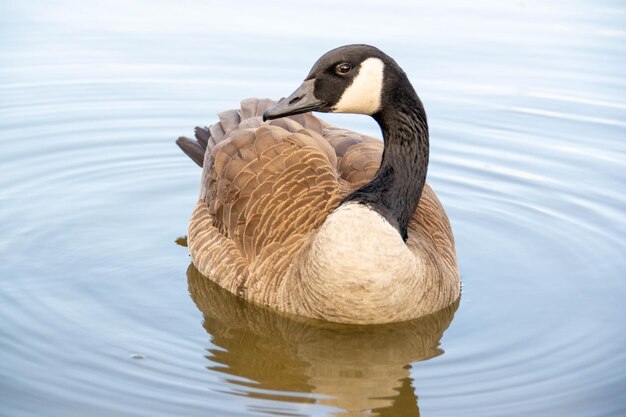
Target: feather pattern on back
column 267, row 187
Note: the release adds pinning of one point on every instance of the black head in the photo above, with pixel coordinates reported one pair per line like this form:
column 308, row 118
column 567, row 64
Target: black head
column 348, row 79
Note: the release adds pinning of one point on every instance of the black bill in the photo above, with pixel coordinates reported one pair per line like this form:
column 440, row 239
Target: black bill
column 300, row 101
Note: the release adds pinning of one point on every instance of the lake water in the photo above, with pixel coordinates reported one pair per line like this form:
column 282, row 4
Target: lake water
column 100, row 314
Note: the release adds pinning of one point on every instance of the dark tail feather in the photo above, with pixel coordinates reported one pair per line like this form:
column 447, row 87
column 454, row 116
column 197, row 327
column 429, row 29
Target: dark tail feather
column 202, row 136
column 207, row 138
column 195, row 149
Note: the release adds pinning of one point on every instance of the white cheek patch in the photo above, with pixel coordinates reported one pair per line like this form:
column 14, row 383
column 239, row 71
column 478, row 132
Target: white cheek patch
column 363, row 95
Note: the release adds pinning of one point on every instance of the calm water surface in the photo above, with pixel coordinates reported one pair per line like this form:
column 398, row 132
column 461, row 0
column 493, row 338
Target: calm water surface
column 101, row 315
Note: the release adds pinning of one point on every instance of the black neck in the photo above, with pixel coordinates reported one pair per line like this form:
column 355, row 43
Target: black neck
column 397, row 186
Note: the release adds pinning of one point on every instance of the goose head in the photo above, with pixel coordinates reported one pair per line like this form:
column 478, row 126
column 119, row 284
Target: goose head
column 349, row 79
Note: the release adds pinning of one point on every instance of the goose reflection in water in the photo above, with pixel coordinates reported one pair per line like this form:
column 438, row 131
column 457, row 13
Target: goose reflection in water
column 360, row 370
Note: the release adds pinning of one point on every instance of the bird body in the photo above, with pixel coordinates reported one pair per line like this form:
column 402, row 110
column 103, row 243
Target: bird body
column 319, row 221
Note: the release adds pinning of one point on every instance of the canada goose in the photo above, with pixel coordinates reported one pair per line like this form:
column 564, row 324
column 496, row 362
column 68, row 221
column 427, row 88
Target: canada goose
column 314, row 220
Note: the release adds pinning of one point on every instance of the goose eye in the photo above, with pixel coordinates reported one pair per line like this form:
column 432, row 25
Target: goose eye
column 343, row 68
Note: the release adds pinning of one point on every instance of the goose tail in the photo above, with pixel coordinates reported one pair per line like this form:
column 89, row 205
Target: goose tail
column 195, row 148
column 208, row 137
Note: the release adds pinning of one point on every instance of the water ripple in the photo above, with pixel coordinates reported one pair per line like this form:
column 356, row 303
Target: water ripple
column 527, row 157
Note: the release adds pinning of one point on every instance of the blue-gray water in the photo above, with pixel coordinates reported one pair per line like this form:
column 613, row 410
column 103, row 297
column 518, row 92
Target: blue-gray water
column 527, row 108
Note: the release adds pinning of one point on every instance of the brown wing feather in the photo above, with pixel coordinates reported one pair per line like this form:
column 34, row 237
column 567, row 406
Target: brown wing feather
column 267, row 187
